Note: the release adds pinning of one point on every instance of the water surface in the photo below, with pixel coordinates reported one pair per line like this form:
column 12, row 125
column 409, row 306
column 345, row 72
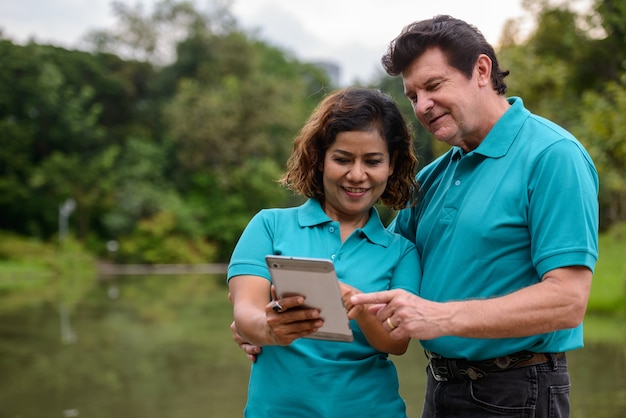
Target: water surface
column 160, row 347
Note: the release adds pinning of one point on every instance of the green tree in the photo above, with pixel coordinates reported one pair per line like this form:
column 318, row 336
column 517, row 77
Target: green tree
column 232, row 128
column 228, row 106
column 426, row 147
column 610, row 49
column 17, row 87
column 571, row 69
column 152, row 35
column 603, row 124
column 67, row 106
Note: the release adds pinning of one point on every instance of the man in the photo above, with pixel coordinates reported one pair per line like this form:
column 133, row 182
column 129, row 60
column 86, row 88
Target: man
column 506, row 227
column 507, row 232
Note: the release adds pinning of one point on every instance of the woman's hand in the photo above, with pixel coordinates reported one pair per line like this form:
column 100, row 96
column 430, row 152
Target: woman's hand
column 347, row 292
column 287, row 320
column 260, row 321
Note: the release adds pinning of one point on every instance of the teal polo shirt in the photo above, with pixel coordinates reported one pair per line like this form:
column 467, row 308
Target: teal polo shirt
column 325, row 378
column 498, row 218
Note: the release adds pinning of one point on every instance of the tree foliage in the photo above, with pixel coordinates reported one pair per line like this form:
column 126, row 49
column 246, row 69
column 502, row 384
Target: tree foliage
column 572, row 69
column 169, row 134
column 171, row 130
column 604, row 126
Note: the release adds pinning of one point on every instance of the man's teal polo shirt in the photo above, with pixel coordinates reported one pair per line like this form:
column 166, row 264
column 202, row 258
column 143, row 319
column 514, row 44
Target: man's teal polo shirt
column 498, row 218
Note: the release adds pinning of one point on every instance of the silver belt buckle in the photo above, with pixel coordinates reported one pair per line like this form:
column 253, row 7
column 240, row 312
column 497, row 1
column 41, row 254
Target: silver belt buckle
column 437, row 376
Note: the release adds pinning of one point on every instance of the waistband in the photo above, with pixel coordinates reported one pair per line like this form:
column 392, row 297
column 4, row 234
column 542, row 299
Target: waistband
column 444, row 369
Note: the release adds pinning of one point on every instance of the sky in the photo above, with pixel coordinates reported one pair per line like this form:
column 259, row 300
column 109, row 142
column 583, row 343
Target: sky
column 351, row 33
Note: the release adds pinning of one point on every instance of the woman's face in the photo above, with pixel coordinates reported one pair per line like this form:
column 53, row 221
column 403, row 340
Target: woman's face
column 355, row 172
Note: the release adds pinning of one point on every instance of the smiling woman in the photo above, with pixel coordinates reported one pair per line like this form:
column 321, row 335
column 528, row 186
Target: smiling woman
column 354, row 150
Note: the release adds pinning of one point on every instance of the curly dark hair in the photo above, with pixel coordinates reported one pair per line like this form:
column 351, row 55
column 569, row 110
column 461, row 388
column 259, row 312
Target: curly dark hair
column 345, row 110
column 461, row 42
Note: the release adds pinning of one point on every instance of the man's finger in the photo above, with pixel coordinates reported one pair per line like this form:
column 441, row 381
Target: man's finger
column 250, row 348
column 372, row 298
column 373, row 309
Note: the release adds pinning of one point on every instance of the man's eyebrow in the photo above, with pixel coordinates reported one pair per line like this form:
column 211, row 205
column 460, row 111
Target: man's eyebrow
column 433, row 79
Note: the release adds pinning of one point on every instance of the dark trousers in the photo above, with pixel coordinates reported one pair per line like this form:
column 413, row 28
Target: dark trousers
column 539, row 391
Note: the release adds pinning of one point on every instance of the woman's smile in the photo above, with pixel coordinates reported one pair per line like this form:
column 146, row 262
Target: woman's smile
column 355, row 190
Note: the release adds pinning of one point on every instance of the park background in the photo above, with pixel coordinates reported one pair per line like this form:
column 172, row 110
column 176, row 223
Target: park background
column 119, row 154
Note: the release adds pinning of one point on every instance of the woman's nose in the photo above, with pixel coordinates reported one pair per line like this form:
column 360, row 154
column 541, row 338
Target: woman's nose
column 357, row 172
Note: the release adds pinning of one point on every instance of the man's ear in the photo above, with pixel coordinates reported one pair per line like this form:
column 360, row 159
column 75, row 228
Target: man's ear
column 482, row 69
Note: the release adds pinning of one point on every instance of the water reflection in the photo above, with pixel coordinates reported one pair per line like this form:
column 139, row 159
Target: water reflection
column 160, row 346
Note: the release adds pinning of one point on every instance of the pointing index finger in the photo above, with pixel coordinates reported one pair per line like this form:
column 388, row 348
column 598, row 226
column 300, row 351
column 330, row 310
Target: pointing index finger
column 372, row 298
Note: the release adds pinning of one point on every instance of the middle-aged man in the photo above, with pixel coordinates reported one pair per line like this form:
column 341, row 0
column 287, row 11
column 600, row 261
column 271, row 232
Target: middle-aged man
column 506, row 228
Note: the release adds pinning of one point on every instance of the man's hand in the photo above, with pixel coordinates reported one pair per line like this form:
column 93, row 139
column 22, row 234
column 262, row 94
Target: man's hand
column 557, row 302
column 403, row 314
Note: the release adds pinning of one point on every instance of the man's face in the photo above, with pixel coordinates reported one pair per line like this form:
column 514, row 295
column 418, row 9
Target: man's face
column 444, row 100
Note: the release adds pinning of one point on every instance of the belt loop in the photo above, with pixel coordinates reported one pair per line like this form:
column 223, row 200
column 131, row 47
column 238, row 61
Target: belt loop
column 554, row 360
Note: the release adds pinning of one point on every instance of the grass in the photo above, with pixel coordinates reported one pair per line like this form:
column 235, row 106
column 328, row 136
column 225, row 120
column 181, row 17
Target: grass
column 604, row 329
column 608, row 291
column 14, row 268
column 26, row 256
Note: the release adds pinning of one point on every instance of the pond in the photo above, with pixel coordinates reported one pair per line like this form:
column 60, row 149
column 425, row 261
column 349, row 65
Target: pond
column 160, row 347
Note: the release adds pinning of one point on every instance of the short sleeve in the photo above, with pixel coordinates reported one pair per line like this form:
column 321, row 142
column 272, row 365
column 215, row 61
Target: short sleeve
column 256, row 241
column 563, row 208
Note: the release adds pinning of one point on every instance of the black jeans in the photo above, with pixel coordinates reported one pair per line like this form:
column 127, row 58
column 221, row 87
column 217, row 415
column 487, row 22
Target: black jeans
column 539, row 391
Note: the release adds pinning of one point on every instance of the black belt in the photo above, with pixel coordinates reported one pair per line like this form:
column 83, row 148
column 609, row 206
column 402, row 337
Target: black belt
column 444, row 369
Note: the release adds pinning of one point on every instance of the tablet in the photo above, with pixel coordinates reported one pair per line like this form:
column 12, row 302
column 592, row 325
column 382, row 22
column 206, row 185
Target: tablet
column 316, row 280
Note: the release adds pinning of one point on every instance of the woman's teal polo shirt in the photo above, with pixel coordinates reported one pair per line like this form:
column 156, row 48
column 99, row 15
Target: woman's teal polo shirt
column 322, row 378
column 498, row 218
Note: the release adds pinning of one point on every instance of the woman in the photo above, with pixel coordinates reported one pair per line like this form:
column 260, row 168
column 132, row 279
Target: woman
column 354, row 151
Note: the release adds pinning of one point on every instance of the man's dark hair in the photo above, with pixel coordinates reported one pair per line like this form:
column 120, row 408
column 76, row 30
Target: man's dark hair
column 461, row 42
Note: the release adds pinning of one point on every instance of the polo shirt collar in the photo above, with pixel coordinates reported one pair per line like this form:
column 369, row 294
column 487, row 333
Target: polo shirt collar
column 312, row 214
column 498, row 141
column 374, row 229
